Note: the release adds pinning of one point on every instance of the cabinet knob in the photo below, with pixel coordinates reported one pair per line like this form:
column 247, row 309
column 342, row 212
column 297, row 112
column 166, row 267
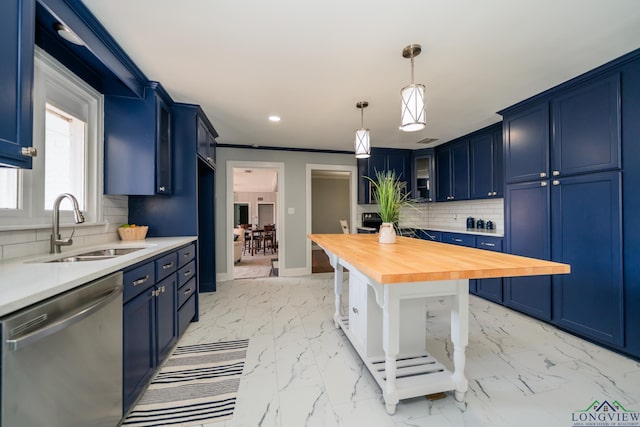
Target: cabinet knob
column 490, row 193
column 543, row 184
column 29, row 151
column 556, row 173
column 162, row 188
column 494, row 193
column 556, row 182
column 543, row 174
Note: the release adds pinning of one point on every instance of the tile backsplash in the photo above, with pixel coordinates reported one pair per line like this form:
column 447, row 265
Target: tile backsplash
column 450, row 215
column 35, row 241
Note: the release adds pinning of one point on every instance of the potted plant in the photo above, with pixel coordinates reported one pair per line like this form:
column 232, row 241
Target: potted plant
column 390, row 194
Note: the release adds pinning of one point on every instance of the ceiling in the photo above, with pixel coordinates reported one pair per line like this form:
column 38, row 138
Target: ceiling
column 255, row 180
column 311, row 62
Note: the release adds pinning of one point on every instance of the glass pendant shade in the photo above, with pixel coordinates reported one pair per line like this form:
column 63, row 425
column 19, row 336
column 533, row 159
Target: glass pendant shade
column 362, row 144
column 413, row 115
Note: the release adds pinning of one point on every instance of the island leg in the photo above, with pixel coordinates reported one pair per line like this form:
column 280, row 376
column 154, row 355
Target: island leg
column 337, row 288
column 460, row 337
column 391, row 346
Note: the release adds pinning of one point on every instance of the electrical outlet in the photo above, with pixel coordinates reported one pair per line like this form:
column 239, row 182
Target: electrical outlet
column 455, row 217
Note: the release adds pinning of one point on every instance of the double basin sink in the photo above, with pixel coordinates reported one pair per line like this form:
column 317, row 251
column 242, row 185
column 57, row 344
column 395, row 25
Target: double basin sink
column 94, row 255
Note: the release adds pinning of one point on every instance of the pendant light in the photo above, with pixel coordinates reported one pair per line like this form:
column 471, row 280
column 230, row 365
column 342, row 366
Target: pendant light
column 362, row 143
column 413, row 115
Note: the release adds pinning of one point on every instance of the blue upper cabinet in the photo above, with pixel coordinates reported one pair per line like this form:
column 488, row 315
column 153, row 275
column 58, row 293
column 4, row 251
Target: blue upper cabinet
column 17, row 33
column 586, row 127
column 382, row 160
column 206, row 141
column 485, row 158
column 526, row 144
column 452, row 171
column 137, row 139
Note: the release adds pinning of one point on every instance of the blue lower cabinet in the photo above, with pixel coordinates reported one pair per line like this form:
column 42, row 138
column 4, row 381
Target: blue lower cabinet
column 527, row 233
column 460, row 239
column 433, row 235
column 490, row 289
column 152, row 315
column 586, row 234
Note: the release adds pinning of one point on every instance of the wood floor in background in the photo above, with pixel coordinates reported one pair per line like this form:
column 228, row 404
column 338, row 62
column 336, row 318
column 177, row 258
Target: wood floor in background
column 320, row 262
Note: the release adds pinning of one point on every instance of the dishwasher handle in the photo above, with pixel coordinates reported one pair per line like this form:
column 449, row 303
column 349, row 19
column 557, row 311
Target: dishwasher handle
column 67, row 321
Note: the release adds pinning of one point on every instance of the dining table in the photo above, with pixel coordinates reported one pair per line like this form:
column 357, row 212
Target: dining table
column 389, row 289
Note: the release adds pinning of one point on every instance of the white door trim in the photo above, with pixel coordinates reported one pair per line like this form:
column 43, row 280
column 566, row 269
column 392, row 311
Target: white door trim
column 279, row 214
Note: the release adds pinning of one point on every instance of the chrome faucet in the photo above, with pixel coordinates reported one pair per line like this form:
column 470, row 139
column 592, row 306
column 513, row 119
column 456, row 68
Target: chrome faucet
column 56, row 241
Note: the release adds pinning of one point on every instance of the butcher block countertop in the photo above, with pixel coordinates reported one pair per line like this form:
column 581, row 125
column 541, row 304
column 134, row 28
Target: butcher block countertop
column 415, row 260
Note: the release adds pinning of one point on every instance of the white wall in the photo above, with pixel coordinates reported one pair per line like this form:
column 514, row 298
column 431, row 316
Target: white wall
column 35, row 241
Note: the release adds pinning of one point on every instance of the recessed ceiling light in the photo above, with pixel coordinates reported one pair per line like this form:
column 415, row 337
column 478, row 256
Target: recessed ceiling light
column 274, row 118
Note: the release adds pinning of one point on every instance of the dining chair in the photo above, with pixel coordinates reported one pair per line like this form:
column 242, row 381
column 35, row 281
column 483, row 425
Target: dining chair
column 269, row 236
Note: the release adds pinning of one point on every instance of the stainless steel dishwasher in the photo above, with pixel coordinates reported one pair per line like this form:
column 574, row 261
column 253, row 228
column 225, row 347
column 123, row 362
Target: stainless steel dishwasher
column 62, row 359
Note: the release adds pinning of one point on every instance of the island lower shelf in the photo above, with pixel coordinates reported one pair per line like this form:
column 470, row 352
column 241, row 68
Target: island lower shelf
column 417, row 373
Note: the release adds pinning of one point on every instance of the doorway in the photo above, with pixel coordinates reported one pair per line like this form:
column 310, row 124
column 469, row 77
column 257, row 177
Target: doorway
column 254, row 198
column 331, row 197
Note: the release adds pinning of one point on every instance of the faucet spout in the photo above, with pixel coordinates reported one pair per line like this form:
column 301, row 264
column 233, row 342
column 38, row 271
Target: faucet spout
column 56, row 241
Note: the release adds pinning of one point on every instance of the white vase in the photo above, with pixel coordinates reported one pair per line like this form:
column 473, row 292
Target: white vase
column 387, row 233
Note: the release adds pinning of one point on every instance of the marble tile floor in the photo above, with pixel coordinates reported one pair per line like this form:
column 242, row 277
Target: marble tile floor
column 301, row 371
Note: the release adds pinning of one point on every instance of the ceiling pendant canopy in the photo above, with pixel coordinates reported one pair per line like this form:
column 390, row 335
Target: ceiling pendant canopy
column 413, row 114
column 362, row 143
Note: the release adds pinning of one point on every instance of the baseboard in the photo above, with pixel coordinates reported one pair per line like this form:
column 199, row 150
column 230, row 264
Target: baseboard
column 222, row 277
column 293, row 272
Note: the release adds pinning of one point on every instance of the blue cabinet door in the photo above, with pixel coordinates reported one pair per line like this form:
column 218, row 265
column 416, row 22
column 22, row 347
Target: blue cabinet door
column 460, row 170
column 527, row 233
column 498, row 163
column 586, row 128
column 526, row 144
column 206, row 141
column 139, row 345
column 443, row 174
column 587, row 230
column 17, row 33
column 490, row 289
column 481, row 160
column 137, row 144
column 382, row 160
column 166, row 320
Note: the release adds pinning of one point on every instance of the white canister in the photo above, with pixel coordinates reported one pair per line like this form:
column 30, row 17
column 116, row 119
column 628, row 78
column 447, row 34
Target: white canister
column 387, row 233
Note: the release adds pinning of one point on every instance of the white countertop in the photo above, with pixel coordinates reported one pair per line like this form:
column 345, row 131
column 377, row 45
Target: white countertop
column 25, row 281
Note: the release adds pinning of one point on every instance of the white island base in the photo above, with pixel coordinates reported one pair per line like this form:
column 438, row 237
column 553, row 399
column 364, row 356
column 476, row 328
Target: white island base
column 386, row 326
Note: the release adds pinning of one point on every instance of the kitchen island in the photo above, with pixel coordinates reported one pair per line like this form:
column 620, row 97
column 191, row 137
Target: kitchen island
column 388, row 285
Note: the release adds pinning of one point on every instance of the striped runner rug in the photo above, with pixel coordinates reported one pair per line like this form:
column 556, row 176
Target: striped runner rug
column 197, row 385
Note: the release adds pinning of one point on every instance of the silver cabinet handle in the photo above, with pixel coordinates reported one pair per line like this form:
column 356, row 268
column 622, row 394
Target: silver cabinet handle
column 187, row 255
column 140, row 281
column 543, row 184
column 29, row 151
column 556, row 173
column 188, row 291
column 556, row 182
column 188, row 273
column 543, row 174
column 355, row 310
column 488, row 244
column 82, row 313
column 457, row 240
column 167, row 266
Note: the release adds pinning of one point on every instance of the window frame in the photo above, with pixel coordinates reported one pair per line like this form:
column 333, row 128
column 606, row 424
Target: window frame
column 54, row 84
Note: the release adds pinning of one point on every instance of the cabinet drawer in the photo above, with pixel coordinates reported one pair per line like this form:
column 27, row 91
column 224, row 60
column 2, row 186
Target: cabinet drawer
column 434, row 236
column 138, row 280
column 166, row 265
column 185, row 291
column 186, row 254
column 489, row 243
column 459, row 239
column 186, row 273
column 186, row 314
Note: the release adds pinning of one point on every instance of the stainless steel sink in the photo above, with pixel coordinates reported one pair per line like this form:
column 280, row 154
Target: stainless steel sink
column 94, row 255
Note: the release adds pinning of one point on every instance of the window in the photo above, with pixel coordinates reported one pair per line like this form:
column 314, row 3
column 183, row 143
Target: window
column 67, row 132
